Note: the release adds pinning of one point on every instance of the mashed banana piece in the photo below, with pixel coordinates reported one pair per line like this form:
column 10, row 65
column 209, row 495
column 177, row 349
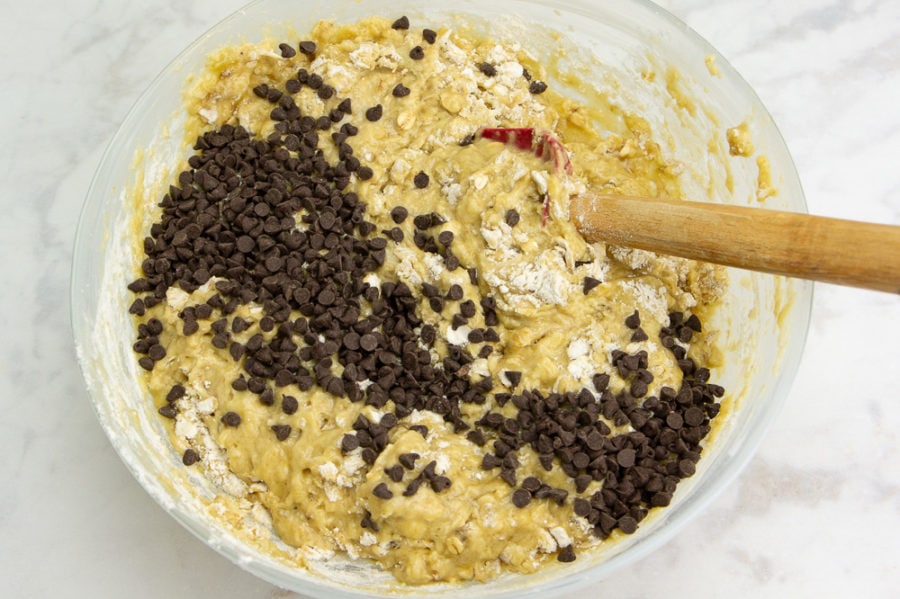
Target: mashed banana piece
column 319, row 497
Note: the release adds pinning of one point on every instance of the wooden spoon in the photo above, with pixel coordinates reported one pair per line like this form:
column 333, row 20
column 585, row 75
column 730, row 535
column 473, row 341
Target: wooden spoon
column 786, row 243
column 823, row 249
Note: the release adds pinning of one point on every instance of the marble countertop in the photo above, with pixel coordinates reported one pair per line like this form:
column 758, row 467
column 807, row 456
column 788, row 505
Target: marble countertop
column 815, row 514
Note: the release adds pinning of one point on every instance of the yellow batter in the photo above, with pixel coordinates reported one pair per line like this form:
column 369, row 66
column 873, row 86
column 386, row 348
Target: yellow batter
column 550, row 330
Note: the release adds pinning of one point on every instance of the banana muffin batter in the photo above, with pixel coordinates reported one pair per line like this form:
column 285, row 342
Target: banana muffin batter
column 359, row 312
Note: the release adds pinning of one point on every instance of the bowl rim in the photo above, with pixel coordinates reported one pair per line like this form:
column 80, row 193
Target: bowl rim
column 803, row 301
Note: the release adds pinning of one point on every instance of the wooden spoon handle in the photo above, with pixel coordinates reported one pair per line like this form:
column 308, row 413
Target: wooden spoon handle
column 786, row 243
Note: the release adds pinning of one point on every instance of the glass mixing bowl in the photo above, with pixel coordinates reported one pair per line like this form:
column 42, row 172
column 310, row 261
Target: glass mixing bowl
column 626, row 49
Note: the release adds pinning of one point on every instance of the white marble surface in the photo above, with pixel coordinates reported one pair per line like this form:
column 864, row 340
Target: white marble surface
column 816, row 513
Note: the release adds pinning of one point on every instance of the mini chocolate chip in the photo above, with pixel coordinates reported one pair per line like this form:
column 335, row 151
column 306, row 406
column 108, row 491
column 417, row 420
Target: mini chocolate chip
column 558, row 496
column 566, row 554
column 639, row 335
column 137, row 307
column 521, row 498
column 660, row 499
column 413, row 487
column 531, row 484
column 627, row 524
column 701, row 374
column 581, row 507
column 382, row 492
column 693, row 323
column 440, row 483
column 421, row 180
column 293, row 86
column 231, row 419
column 283, row 378
column 625, row 458
column 694, row 416
column 589, row 283
column 368, row 342
column 175, row 393
column 289, row 404
column 537, row 87
column 190, row 327
column 349, row 442
column 429, row 35
column 594, row 441
column 399, row 91
column 638, row 388
column 582, row 482
column 488, row 69
column 336, row 387
column 601, row 382
column 395, row 233
column 399, row 214
column 633, row 321
column 408, row 460
column 476, row 336
column 287, row 51
column 490, row 461
column 395, row 473
column 514, row 377
column 146, row 363
column 156, row 352
column 674, row 420
column 245, row 245
column 190, row 457
column 401, row 23
column 417, row 53
column 367, row 521
column 436, row 303
column 308, row 47
column 374, row 113
column 476, row 436
column 422, row 222
column 239, row 325
column 282, row 431
column 256, row 384
column 220, row 340
column 512, row 217
column 428, row 334
column 168, row 410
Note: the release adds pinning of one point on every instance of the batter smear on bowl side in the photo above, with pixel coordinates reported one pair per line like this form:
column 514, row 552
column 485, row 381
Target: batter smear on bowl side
column 382, row 327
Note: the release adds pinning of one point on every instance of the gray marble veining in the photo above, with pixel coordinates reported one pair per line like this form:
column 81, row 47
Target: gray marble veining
column 816, row 513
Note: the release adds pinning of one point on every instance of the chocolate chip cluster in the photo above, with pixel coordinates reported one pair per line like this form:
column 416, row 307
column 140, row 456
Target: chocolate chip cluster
column 275, row 224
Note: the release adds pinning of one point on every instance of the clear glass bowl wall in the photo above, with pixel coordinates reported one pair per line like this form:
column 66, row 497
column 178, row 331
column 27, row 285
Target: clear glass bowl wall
column 609, row 45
